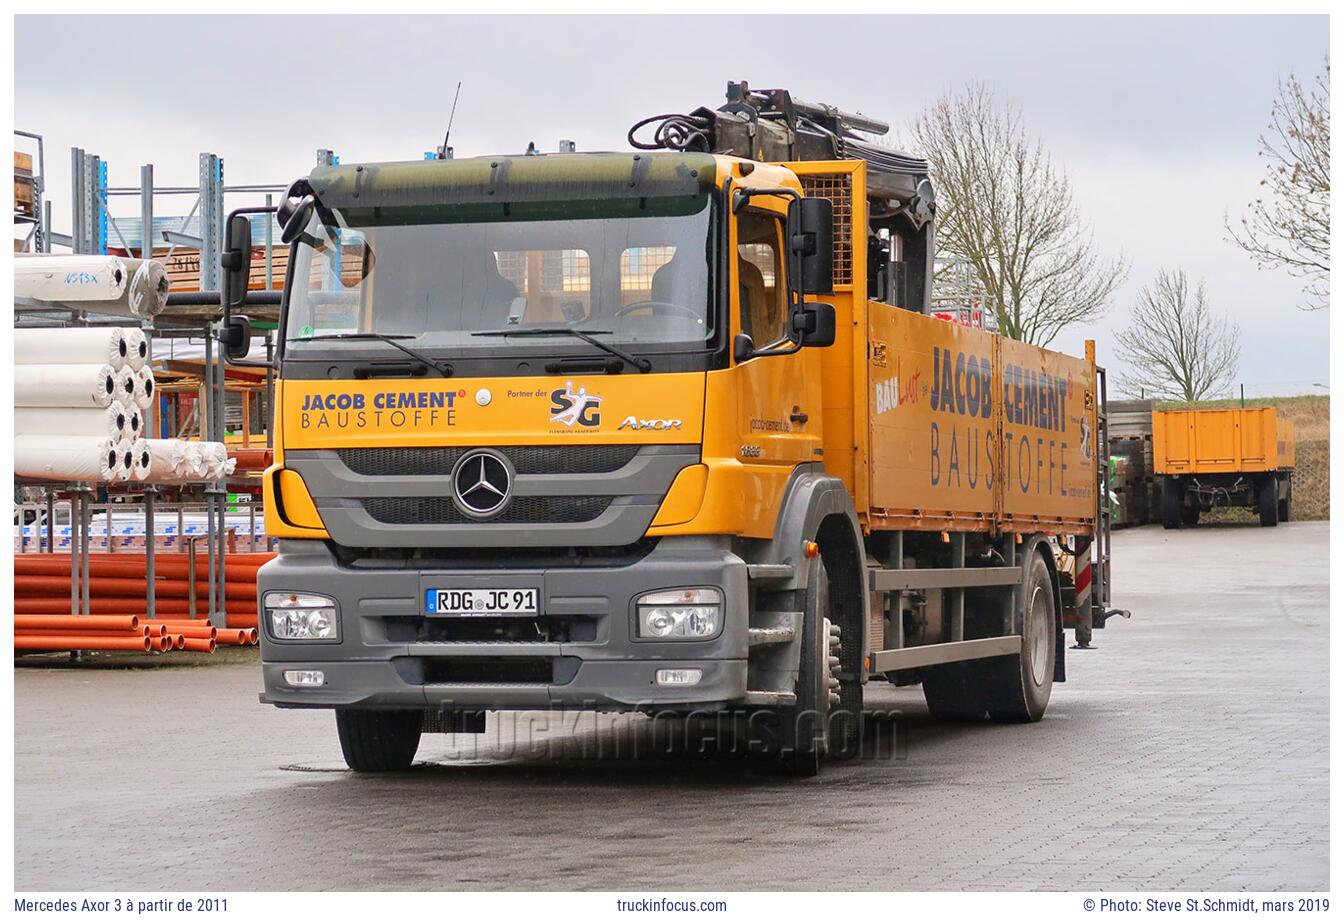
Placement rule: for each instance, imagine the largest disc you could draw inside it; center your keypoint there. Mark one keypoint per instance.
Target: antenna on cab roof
(443, 151)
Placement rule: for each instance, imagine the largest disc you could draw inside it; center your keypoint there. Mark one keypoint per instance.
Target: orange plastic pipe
(198, 645)
(251, 458)
(74, 642)
(81, 623)
(55, 563)
(124, 633)
(192, 632)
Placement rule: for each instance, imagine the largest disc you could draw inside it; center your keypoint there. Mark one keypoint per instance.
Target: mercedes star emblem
(482, 483)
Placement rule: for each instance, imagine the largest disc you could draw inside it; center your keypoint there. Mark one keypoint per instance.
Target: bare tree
(1007, 210)
(1289, 227)
(1176, 346)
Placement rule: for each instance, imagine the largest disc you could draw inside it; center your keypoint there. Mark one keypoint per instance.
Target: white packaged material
(116, 421)
(161, 460)
(137, 348)
(79, 345)
(66, 458)
(99, 284)
(65, 385)
(126, 385)
(125, 452)
(143, 392)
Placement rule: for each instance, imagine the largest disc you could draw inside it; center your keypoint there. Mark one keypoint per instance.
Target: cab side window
(762, 294)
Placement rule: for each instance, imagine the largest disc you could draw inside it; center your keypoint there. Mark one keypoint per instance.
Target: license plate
(481, 602)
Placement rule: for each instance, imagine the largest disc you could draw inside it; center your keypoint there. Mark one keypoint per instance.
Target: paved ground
(1190, 751)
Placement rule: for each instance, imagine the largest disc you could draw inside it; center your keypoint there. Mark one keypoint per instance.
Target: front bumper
(602, 665)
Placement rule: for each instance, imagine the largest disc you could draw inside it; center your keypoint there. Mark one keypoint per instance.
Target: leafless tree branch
(1288, 225)
(1006, 209)
(1176, 346)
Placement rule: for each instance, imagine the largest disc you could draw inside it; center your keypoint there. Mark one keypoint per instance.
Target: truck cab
(529, 411)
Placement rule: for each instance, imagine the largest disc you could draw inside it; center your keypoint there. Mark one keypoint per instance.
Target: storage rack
(190, 314)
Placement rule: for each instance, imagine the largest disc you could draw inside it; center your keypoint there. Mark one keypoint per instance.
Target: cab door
(779, 398)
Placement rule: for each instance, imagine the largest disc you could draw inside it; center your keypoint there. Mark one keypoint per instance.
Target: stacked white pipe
(80, 396)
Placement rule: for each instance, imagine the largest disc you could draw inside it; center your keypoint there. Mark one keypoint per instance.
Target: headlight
(683, 613)
(302, 616)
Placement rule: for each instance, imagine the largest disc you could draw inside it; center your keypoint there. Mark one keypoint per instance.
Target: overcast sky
(1154, 118)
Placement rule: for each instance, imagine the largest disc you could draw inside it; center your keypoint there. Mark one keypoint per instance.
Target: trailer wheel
(1189, 515)
(1171, 504)
(1285, 503)
(1019, 688)
(378, 741)
(1268, 501)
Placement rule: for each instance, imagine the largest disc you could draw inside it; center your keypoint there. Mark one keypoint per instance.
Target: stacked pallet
(1130, 429)
(117, 596)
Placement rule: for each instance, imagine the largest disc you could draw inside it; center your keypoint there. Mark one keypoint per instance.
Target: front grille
(837, 187)
(532, 509)
(438, 461)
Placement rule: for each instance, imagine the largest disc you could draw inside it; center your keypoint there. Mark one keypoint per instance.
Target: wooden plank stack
(24, 198)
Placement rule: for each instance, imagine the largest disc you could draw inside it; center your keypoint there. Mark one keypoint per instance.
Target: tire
(1019, 688)
(1267, 501)
(804, 727)
(1285, 503)
(378, 741)
(954, 693)
(1171, 504)
(1189, 515)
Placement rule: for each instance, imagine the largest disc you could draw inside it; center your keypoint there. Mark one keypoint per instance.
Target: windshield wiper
(643, 365)
(444, 368)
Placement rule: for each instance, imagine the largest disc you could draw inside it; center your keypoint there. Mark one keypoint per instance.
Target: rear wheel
(1172, 496)
(1285, 503)
(1010, 688)
(1189, 515)
(379, 741)
(1019, 688)
(1267, 501)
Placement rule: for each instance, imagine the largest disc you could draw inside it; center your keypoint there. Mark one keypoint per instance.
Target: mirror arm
(234, 260)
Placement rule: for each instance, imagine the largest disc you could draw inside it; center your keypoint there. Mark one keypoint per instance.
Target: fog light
(305, 678)
(302, 616)
(683, 613)
(678, 677)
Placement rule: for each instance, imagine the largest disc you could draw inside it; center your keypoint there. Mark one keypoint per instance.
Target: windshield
(640, 282)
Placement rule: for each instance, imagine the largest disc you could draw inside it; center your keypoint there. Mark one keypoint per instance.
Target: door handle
(799, 417)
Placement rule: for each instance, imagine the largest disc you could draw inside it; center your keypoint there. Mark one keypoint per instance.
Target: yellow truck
(1206, 458)
(666, 431)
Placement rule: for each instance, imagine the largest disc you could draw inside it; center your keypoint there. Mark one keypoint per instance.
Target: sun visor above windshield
(509, 180)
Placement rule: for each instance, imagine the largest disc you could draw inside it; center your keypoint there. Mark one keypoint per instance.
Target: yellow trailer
(1206, 458)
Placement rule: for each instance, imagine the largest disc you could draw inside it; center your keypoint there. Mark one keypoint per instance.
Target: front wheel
(379, 741)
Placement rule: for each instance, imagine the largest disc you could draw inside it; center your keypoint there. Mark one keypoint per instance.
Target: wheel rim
(1038, 635)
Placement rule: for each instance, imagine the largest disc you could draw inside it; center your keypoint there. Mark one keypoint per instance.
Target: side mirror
(236, 337)
(743, 347)
(236, 261)
(810, 244)
(815, 325)
(298, 218)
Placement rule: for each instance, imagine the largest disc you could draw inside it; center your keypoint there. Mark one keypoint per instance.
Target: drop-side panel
(1049, 435)
(970, 431)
